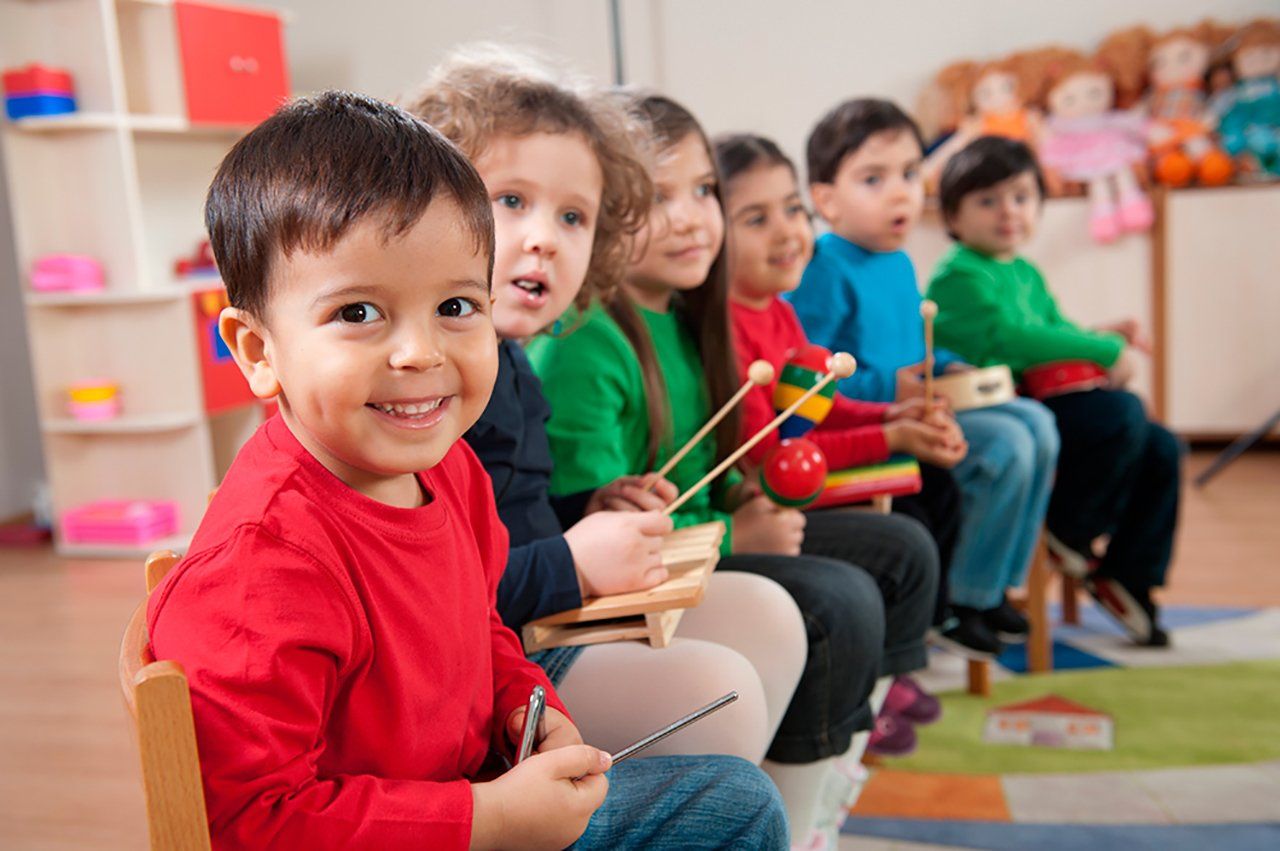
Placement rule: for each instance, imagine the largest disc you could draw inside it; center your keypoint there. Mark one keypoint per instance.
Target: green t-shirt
(599, 426)
(992, 311)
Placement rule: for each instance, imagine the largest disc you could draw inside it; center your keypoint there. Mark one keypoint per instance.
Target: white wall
(21, 464)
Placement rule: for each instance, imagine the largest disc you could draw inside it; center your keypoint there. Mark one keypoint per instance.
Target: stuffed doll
(1087, 140)
(1173, 66)
(1250, 120)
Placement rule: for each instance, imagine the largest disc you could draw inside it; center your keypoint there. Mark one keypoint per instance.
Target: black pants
(1118, 474)
(937, 506)
(864, 586)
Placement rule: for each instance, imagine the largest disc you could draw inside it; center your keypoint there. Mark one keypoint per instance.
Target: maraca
(794, 473)
(803, 369)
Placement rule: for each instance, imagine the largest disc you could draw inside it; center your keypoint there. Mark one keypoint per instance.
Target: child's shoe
(1116, 601)
(1136, 213)
(1067, 560)
(968, 635)
(908, 700)
(1104, 223)
(1009, 624)
(892, 736)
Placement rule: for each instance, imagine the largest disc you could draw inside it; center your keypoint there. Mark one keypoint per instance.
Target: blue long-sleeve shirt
(865, 303)
(510, 439)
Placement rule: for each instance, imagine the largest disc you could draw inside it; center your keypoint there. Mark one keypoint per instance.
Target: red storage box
(38, 79)
(232, 63)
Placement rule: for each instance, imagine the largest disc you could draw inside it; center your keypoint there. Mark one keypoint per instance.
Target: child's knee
(1165, 448)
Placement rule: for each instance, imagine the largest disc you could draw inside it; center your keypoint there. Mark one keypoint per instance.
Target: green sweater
(599, 426)
(992, 312)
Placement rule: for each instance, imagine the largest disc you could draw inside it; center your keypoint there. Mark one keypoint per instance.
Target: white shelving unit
(123, 180)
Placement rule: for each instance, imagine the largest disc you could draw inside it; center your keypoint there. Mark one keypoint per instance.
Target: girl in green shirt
(637, 375)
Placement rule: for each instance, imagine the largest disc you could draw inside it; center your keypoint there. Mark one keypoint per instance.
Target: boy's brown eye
(359, 313)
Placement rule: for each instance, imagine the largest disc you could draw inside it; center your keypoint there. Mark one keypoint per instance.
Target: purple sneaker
(892, 736)
(908, 700)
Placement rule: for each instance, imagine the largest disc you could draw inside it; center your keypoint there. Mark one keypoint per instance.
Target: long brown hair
(705, 309)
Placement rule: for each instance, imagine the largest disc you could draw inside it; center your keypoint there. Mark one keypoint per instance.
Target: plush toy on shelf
(1086, 140)
(1173, 67)
(1250, 112)
(972, 99)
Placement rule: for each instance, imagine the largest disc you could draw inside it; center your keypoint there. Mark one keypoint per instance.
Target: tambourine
(976, 388)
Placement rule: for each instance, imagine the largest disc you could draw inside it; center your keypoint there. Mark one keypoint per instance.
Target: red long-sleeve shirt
(851, 435)
(348, 670)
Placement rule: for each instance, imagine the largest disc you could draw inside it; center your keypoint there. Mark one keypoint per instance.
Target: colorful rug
(1196, 761)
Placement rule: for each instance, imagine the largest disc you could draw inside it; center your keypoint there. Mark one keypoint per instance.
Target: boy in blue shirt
(859, 295)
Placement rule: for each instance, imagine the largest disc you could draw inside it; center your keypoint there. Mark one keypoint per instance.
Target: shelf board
(145, 424)
(68, 122)
(180, 125)
(104, 298)
(129, 551)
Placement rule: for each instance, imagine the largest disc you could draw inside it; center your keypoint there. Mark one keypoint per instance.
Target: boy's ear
(821, 194)
(246, 338)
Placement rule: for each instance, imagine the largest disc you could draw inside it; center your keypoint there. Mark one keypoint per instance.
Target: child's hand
(913, 409)
(745, 490)
(1122, 371)
(760, 526)
(631, 493)
(910, 382)
(1132, 333)
(933, 441)
(544, 802)
(618, 551)
(561, 733)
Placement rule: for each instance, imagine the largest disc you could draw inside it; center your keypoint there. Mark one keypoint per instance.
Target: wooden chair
(160, 705)
(1035, 606)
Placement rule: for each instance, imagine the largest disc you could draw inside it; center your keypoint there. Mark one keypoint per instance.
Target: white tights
(746, 635)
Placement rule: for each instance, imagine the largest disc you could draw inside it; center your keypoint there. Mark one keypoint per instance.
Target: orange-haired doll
(1173, 65)
(1086, 140)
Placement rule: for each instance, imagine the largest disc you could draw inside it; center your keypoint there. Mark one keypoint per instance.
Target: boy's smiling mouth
(412, 413)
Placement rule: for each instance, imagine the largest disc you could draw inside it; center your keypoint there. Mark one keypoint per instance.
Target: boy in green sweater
(1118, 472)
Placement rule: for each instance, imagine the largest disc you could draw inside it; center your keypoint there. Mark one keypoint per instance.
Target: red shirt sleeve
(264, 669)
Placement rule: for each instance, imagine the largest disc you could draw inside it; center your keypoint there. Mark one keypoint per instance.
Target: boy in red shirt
(350, 677)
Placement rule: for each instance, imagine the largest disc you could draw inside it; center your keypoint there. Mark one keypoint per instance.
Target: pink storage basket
(132, 521)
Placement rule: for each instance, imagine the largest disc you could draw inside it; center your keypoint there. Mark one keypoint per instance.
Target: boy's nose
(416, 349)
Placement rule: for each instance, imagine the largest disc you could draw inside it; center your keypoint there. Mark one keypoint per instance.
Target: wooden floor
(68, 768)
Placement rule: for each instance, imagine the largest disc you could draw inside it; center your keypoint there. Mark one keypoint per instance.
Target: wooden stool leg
(980, 678)
(1039, 641)
(1070, 606)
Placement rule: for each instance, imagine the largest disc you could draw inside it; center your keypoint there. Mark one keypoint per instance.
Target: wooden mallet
(928, 310)
(840, 366)
(759, 374)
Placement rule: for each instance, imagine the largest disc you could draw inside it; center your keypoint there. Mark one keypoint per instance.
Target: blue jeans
(1005, 481)
(693, 802)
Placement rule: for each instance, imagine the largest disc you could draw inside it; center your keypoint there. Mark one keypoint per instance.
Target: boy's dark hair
(740, 152)
(301, 179)
(845, 129)
(983, 163)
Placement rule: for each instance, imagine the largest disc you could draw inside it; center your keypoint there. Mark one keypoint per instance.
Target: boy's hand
(618, 551)
(544, 802)
(560, 730)
(1132, 333)
(910, 382)
(913, 409)
(1122, 371)
(933, 441)
(631, 493)
(760, 526)
(745, 490)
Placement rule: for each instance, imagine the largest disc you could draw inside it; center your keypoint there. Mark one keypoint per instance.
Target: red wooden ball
(794, 472)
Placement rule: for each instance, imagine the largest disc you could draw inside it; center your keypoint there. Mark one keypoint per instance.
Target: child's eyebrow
(343, 293)
(749, 209)
(471, 284)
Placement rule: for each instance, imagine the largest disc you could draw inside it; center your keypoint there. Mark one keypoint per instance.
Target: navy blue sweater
(510, 439)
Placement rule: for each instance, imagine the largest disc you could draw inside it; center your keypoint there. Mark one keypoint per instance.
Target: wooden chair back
(159, 702)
